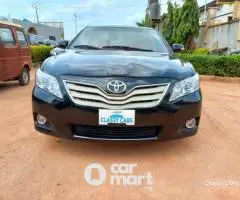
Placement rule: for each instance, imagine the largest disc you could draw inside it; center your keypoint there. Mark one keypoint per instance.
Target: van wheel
(24, 78)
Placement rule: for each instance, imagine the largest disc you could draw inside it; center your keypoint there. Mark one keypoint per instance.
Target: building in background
(220, 25)
(154, 13)
(47, 30)
(217, 12)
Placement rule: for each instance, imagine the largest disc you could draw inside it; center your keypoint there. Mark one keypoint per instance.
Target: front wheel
(24, 78)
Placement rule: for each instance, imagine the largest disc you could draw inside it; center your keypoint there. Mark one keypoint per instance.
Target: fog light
(41, 119)
(191, 123)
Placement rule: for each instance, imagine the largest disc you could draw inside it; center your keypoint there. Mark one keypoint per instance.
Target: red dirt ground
(35, 166)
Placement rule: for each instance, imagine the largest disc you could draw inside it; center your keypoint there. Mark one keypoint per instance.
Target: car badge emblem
(116, 86)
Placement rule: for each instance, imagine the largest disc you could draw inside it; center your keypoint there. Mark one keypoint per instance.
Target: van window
(6, 37)
(52, 38)
(21, 38)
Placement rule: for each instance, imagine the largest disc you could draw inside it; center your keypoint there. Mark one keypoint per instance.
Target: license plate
(126, 117)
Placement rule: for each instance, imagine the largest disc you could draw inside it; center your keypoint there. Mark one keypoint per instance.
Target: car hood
(105, 63)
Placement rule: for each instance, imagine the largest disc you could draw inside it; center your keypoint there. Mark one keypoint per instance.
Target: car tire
(24, 78)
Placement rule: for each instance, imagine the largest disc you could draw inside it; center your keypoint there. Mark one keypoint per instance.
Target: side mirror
(63, 44)
(53, 53)
(56, 51)
(177, 48)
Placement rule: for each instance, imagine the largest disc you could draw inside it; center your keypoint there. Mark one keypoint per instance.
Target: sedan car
(178, 47)
(117, 83)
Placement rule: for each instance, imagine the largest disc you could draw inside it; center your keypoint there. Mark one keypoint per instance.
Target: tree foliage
(146, 22)
(181, 24)
(176, 22)
(188, 28)
(168, 23)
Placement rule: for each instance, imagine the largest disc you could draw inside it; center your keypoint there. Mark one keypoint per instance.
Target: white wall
(224, 9)
(42, 29)
(220, 36)
(221, 10)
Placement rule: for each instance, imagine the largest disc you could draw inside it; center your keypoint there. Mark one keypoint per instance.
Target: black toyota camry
(117, 83)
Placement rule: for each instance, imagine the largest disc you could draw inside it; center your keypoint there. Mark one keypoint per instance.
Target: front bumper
(164, 122)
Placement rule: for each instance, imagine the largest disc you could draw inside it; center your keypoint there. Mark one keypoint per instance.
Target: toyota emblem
(116, 86)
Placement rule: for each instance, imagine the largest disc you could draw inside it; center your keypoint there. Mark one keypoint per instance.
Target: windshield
(113, 38)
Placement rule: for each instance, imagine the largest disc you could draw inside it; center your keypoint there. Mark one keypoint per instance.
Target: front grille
(115, 133)
(146, 96)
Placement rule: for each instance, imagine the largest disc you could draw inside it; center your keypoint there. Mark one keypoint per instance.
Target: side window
(21, 38)
(6, 37)
(52, 38)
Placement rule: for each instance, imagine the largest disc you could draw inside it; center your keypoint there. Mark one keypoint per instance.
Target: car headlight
(184, 87)
(48, 83)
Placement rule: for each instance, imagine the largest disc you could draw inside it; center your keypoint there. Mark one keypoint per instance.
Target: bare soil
(35, 166)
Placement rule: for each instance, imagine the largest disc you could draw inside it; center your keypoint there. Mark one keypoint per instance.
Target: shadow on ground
(113, 149)
(8, 85)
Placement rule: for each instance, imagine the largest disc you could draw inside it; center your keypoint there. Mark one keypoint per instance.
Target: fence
(226, 35)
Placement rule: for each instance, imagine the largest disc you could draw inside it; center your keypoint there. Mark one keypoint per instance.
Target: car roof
(119, 26)
(10, 24)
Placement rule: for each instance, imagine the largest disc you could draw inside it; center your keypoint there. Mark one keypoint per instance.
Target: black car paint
(105, 63)
(62, 114)
(132, 67)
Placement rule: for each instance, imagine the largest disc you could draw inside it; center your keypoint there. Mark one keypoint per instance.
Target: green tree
(188, 28)
(176, 22)
(168, 23)
(146, 22)
(171, 21)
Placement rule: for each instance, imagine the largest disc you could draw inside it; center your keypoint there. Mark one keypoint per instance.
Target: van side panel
(10, 56)
(25, 50)
(2, 68)
(14, 56)
(11, 62)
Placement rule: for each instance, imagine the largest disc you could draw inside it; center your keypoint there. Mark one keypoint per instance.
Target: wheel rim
(25, 77)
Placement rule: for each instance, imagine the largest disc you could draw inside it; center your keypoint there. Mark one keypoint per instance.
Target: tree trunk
(190, 44)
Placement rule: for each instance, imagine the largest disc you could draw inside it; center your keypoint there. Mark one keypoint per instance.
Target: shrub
(40, 53)
(213, 64)
(201, 51)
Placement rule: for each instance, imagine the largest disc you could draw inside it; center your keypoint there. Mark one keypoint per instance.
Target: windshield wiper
(86, 47)
(115, 47)
(126, 48)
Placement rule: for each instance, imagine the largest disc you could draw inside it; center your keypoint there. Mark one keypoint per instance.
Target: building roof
(210, 4)
(10, 24)
(215, 3)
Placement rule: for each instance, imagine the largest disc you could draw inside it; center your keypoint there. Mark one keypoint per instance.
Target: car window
(6, 37)
(21, 38)
(111, 36)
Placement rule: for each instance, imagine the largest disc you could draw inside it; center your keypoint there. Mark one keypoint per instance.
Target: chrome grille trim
(88, 88)
(144, 96)
(80, 95)
(112, 139)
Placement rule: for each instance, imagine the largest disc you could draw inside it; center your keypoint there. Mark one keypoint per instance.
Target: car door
(25, 51)
(2, 68)
(10, 56)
